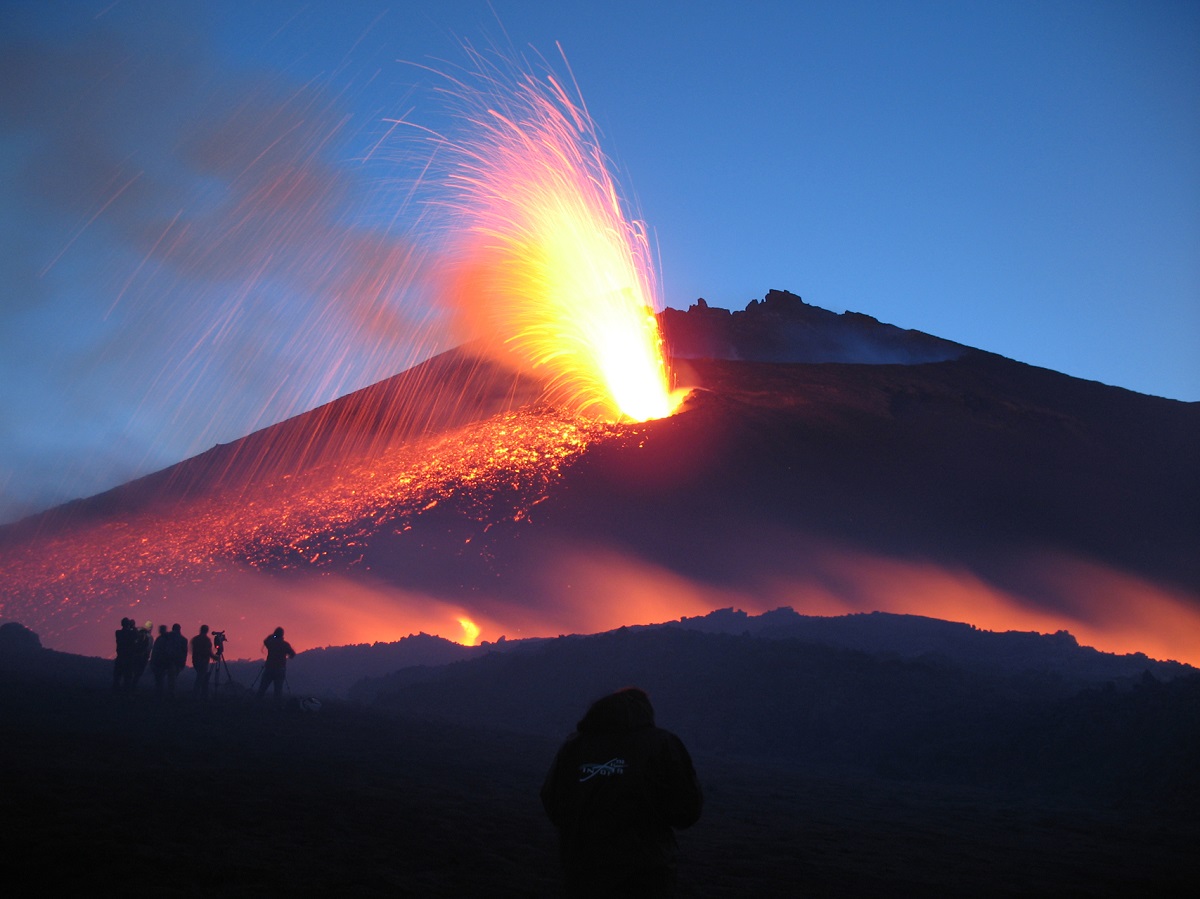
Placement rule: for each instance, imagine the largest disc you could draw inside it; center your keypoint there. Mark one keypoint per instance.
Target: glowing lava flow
(324, 518)
(544, 258)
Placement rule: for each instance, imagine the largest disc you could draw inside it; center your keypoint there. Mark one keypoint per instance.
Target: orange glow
(596, 589)
(546, 266)
(602, 590)
(176, 567)
(1102, 607)
(1121, 612)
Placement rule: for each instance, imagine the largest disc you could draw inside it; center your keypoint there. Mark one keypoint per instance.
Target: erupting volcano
(544, 477)
(543, 273)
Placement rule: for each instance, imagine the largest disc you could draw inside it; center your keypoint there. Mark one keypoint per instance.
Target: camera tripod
(280, 683)
(220, 664)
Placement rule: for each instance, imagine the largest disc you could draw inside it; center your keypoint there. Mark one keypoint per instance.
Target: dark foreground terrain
(123, 794)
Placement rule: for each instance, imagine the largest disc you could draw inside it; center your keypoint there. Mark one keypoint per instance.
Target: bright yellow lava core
(546, 263)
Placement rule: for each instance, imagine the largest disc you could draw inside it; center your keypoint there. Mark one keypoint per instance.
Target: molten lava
(323, 518)
(544, 261)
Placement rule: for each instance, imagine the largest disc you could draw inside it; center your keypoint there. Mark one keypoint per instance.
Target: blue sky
(1022, 177)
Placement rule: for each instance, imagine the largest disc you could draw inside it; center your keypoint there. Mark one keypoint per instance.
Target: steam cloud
(249, 273)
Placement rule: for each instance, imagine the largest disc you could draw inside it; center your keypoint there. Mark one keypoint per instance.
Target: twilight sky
(206, 225)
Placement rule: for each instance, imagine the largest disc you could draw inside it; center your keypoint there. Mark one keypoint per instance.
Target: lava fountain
(544, 265)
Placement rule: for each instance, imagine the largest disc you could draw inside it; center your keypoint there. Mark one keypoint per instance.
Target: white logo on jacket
(607, 769)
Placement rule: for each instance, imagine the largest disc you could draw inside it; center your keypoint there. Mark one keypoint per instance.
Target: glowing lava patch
(544, 261)
(470, 631)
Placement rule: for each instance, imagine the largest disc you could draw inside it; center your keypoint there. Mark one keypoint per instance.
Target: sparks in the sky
(543, 261)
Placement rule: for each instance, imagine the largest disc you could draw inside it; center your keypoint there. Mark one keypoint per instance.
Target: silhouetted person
(275, 669)
(141, 653)
(179, 648)
(126, 662)
(615, 791)
(202, 656)
(159, 654)
(167, 658)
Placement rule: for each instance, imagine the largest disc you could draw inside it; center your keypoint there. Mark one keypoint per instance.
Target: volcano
(830, 463)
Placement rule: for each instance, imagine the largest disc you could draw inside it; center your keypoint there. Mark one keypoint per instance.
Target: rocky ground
(233, 798)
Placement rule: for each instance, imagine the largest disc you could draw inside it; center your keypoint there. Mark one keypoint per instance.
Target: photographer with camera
(274, 671)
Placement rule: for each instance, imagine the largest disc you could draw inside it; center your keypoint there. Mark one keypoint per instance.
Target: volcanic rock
(781, 327)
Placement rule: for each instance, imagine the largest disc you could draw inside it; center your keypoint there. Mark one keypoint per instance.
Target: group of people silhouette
(133, 654)
(167, 655)
(616, 792)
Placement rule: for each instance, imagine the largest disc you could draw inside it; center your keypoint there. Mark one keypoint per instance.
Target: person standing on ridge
(125, 662)
(275, 669)
(616, 789)
(202, 655)
(162, 663)
(141, 653)
(179, 650)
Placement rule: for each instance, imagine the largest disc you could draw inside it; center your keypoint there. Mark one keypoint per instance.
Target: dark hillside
(924, 719)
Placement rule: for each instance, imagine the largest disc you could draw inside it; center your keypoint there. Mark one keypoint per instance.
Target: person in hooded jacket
(616, 790)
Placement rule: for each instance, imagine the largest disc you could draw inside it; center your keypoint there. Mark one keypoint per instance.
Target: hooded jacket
(615, 790)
